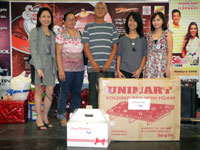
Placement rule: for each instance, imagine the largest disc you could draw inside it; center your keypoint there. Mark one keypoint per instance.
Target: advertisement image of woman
(159, 48)
(191, 46)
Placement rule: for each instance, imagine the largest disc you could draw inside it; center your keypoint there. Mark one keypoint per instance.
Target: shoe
(42, 127)
(48, 125)
(63, 123)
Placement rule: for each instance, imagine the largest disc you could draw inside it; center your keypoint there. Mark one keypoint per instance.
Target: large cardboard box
(88, 128)
(142, 109)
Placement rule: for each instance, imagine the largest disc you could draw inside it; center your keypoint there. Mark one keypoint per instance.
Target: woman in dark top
(132, 49)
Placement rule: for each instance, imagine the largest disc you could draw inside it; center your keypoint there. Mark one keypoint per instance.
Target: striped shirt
(178, 38)
(101, 38)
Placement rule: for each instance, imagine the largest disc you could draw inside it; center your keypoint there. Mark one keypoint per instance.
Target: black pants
(93, 85)
(129, 75)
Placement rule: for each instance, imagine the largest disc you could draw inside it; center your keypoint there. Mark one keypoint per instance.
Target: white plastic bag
(19, 87)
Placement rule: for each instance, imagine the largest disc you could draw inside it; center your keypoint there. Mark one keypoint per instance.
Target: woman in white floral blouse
(159, 48)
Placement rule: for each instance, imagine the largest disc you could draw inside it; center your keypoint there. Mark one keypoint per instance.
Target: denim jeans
(73, 84)
(93, 85)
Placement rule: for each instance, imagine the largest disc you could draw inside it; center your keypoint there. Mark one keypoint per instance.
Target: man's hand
(106, 66)
(95, 67)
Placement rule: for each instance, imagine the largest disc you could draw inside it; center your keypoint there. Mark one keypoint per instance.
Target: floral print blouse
(72, 55)
(157, 54)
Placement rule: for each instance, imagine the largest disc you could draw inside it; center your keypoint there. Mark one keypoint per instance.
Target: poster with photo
(24, 19)
(185, 25)
(119, 12)
(4, 39)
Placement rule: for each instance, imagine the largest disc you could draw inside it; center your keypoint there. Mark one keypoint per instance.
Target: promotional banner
(185, 25)
(14, 60)
(24, 19)
(5, 55)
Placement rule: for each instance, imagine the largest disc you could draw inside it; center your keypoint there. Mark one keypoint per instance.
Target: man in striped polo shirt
(100, 45)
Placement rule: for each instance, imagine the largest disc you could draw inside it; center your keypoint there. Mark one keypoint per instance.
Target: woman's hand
(120, 74)
(137, 73)
(40, 73)
(167, 71)
(61, 75)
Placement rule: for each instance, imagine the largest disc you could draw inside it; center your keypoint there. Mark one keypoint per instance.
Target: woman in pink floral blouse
(70, 66)
(159, 48)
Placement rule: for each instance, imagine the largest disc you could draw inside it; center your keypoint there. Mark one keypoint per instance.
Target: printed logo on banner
(5, 84)
(4, 51)
(2, 70)
(3, 28)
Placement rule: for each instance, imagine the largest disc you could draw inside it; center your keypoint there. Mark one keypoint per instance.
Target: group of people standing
(62, 55)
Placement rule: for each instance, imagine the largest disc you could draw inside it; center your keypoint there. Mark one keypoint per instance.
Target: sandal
(42, 127)
(48, 125)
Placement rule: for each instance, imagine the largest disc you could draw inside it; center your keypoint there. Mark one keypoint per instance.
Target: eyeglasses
(71, 20)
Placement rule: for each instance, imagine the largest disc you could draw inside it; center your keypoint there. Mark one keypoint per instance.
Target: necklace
(132, 42)
(48, 38)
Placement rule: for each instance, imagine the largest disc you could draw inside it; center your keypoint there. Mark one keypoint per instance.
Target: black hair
(39, 14)
(161, 15)
(136, 16)
(188, 35)
(176, 10)
(66, 14)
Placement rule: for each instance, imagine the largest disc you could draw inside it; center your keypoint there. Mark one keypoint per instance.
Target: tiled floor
(27, 137)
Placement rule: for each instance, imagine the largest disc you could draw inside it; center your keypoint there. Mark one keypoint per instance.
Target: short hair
(176, 10)
(103, 4)
(39, 14)
(161, 15)
(137, 17)
(66, 14)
